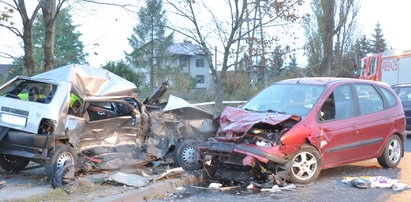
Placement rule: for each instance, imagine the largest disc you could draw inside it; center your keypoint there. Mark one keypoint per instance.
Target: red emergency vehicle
(392, 67)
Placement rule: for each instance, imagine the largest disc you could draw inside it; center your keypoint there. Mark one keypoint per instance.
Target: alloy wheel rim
(305, 166)
(394, 151)
(189, 155)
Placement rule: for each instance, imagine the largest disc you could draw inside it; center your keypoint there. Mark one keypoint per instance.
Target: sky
(105, 29)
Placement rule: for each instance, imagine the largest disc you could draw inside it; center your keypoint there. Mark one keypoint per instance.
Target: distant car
(92, 117)
(294, 128)
(404, 92)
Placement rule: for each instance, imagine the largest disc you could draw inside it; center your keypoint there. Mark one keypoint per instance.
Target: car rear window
(404, 93)
(32, 91)
(369, 99)
(388, 96)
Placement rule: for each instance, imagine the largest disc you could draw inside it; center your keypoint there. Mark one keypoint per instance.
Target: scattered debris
(364, 182)
(169, 173)
(180, 188)
(133, 180)
(2, 184)
(215, 185)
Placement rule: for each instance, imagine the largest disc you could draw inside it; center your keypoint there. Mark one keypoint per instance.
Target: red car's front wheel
(306, 165)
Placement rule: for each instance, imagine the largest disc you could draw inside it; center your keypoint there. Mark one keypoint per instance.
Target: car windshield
(295, 99)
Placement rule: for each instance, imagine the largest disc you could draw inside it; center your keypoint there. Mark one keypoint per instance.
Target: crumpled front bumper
(248, 151)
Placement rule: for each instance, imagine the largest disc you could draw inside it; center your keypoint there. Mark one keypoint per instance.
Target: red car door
(374, 121)
(339, 127)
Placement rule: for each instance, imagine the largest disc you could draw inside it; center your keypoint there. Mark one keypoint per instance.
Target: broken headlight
(263, 143)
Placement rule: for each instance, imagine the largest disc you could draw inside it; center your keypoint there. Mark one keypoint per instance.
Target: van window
(369, 99)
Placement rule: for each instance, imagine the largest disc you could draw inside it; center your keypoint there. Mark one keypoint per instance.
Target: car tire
(13, 163)
(391, 156)
(57, 157)
(186, 155)
(306, 165)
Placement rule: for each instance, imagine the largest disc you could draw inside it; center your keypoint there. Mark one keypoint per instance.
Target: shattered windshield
(29, 90)
(294, 99)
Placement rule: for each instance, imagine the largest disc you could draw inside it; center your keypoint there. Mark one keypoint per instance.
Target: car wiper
(250, 110)
(273, 111)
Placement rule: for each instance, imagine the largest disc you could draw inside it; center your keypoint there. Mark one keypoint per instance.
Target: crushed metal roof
(186, 48)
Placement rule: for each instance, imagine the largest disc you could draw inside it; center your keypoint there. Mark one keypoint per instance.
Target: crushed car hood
(235, 120)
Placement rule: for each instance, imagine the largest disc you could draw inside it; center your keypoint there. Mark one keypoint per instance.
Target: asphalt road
(326, 188)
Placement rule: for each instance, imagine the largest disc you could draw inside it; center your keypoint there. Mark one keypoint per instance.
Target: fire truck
(392, 67)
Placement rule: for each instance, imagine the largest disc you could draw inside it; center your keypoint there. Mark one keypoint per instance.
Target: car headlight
(263, 143)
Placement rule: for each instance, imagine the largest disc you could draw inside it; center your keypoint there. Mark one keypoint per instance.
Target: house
(4, 69)
(190, 58)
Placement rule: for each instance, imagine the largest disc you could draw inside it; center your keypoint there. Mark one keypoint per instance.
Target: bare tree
(228, 32)
(26, 33)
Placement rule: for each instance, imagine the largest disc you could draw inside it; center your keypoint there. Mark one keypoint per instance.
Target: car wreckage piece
(87, 115)
(249, 146)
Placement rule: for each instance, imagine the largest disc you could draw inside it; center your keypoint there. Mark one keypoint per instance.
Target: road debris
(174, 172)
(133, 180)
(215, 185)
(2, 184)
(364, 182)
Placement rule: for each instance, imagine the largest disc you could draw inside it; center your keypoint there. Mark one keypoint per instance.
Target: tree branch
(8, 4)
(12, 29)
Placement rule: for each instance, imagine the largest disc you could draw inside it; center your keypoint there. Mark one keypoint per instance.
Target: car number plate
(13, 120)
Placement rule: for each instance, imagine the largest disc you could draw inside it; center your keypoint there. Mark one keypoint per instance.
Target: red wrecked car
(294, 128)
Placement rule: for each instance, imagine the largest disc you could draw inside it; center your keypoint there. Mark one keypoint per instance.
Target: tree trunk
(328, 7)
(49, 15)
(28, 48)
(219, 93)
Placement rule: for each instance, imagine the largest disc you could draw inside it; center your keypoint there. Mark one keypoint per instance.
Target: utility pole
(152, 56)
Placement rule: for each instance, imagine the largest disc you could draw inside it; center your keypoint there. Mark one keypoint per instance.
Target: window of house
(200, 78)
(182, 61)
(199, 62)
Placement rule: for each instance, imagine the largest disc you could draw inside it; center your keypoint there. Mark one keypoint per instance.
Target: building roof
(186, 48)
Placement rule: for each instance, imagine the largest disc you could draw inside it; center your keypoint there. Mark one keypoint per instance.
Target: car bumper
(17, 143)
(232, 149)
